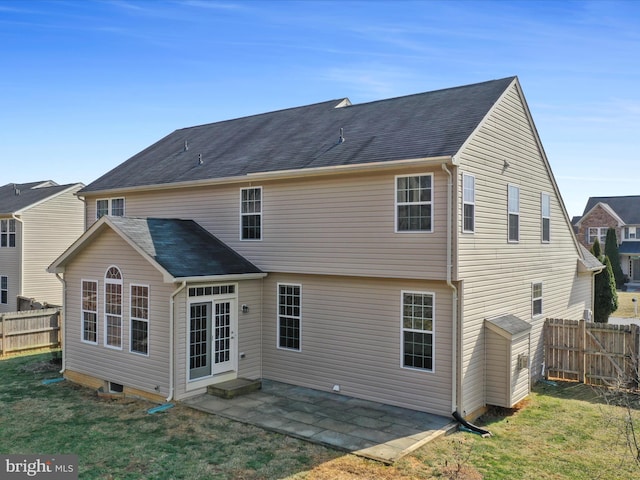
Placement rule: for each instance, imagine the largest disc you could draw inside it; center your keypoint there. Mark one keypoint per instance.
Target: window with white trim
(289, 316)
(139, 302)
(4, 289)
(536, 299)
(8, 233)
(545, 213)
(514, 213)
(417, 330)
(414, 203)
(90, 311)
(597, 232)
(468, 203)
(113, 308)
(110, 206)
(251, 213)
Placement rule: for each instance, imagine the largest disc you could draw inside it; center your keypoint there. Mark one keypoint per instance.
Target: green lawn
(563, 431)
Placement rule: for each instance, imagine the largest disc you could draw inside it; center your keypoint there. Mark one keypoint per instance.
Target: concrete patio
(380, 432)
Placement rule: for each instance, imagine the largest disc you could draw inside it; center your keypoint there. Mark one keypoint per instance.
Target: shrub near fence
(29, 330)
(592, 353)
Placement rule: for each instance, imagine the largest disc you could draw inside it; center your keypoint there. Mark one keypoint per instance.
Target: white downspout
(171, 339)
(454, 299)
(64, 322)
(17, 219)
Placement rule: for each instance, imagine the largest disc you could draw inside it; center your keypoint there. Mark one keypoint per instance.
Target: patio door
(212, 338)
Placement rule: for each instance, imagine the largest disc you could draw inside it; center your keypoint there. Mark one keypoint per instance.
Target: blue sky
(84, 85)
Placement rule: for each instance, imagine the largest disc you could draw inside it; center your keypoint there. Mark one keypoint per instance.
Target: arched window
(113, 308)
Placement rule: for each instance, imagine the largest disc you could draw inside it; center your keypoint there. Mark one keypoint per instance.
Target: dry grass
(625, 304)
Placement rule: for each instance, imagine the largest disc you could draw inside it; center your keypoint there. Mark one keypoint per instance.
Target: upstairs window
(113, 308)
(8, 233)
(536, 299)
(631, 233)
(110, 206)
(468, 203)
(545, 212)
(597, 232)
(514, 213)
(251, 213)
(414, 202)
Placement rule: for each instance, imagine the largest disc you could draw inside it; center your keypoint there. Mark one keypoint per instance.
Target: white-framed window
(631, 233)
(545, 214)
(597, 232)
(89, 311)
(414, 203)
(8, 233)
(251, 213)
(4, 289)
(290, 316)
(113, 308)
(139, 319)
(110, 206)
(514, 213)
(417, 330)
(468, 203)
(536, 299)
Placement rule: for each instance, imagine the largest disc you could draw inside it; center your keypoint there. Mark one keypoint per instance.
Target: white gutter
(454, 299)
(64, 322)
(171, 339)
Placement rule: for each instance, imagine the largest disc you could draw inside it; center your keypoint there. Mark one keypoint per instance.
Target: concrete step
(234, 388)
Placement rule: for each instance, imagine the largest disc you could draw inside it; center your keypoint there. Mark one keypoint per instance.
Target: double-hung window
(536, 299)
(417, 330)
(113, 308)
(251, 213)
(89, 311)
(4, 289)
(545, 212)
(599, 233)
(514, 213)
(8, 233)
(110, 206)
(289, 316)
(139, 302)
(468, 203)
(414, 203)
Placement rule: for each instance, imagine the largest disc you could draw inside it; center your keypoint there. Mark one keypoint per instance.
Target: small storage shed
(507, 348)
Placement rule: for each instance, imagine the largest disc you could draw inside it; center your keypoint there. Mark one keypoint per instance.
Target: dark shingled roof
(627, 207)
(17, 196)
(182, 247)
(425, 125)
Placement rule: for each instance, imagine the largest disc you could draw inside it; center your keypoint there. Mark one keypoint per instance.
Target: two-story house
(622, 214)
(38, 221)
(405, 251)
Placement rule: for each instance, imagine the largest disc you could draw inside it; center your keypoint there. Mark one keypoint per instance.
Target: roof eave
(215, 278)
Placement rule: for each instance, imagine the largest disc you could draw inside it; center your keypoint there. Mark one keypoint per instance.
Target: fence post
(581, 351)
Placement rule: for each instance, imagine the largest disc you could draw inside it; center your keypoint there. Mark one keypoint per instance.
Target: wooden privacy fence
(28, 330)
(592, 353)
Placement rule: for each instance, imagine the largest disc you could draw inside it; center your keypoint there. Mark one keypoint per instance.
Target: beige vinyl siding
(249, 335)
(342, 225)
(10, 265)
(506, 384)
(119, 366)
(50, 227)
(351, 337)
(497, 275)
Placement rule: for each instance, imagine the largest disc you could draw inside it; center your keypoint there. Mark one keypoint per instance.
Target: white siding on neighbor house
(497, 275)
(249, 335)
(50, 228)
(351, 337)
(10, 266)
(342, 225)
(148, 373)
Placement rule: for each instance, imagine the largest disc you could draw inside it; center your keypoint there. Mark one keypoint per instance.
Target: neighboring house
(38, 221)
(405, 251)
(621, 213)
